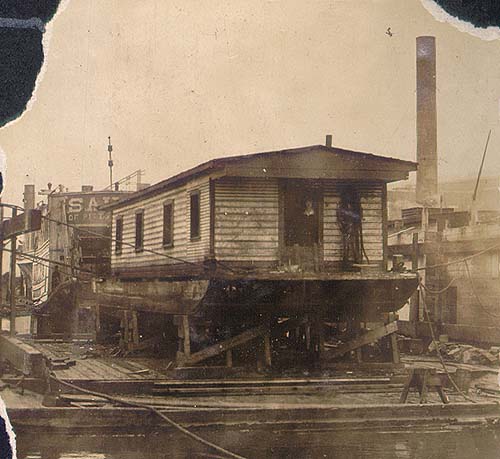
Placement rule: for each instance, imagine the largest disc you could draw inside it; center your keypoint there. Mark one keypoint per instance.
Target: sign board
(84, 208)
(27, 222)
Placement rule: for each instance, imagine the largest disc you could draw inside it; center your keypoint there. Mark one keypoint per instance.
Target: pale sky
(176, 83)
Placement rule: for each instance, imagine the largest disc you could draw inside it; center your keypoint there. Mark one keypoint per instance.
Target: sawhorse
(423, 379)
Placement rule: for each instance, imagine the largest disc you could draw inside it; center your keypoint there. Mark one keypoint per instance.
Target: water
(358, 444)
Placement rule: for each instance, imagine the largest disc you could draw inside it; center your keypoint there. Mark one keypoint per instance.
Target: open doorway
(302, 224)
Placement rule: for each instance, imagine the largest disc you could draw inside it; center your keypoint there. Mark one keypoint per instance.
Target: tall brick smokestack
(427, 174)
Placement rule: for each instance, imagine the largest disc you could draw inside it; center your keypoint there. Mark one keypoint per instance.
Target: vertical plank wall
(183, 247)
(246, 223)
(246, 219)
(371, 204)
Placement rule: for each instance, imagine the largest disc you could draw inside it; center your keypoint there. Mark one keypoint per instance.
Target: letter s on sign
(75, 205)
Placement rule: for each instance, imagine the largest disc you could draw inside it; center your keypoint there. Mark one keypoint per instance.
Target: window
(168, 224)
(119, 235)
(139, 231)
(195, 215)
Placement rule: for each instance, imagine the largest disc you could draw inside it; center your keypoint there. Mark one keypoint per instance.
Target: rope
(152, 409)
(461, 260)
(43, 259)
(129, 244)
(438, 292)
(443, 364)
(111, 238)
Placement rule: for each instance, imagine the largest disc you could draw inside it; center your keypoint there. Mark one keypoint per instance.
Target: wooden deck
(86, 367)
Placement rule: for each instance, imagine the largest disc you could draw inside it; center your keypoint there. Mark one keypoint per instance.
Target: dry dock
(334, 399)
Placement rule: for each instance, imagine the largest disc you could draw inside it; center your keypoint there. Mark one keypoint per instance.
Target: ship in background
(71, 248)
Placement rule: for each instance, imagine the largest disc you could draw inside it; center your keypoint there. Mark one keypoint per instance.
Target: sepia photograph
(249, 230)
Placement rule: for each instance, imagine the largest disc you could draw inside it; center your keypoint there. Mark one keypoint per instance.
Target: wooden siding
(373, 236)
(246, 223)
(246, 219)
(247, 214)
(371, 204)
(183, 248)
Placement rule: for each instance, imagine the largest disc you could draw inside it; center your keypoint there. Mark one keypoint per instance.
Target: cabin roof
(254, 164)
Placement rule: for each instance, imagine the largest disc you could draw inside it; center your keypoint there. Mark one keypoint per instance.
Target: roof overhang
(316, 162)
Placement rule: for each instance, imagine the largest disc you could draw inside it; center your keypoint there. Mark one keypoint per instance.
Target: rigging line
(112, 239)
(461, 260)
(439, 292)
(438, 352)
(150, 408)
(66, 273)
(60, 263)
(485, 310)
(129, 244)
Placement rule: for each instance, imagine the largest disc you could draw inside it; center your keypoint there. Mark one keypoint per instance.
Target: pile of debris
(466, 353)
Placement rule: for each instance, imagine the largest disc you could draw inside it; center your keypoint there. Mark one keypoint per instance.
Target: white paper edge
(489, 34)
(8, 426)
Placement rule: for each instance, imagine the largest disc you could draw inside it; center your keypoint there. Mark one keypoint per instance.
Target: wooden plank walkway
(89, 368)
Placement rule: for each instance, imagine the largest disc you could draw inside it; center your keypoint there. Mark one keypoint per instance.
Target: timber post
(229, 358)
(392, 339)
(183, 335)
(317, 339)
(267, 349)
(97, 320)
(135, 329)
(12, 279)
(414, 300)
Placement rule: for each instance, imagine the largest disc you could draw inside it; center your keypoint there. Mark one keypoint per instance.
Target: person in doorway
(310, 224)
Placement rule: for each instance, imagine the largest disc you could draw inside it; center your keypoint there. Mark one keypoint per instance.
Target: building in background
(456, 194)
(72, 247)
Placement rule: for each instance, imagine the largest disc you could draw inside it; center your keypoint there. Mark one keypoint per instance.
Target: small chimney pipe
(329, 140)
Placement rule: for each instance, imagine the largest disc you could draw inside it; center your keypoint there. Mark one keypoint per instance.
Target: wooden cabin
(264, 244)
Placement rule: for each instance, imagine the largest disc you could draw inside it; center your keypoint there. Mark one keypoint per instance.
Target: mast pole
(110, 163)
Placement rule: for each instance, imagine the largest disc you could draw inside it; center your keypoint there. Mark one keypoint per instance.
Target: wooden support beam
(224, 346)
(393, 340)
(308, 335)
(97, 312)
(134, 328)
(395, 349)
(229, 358)
(186, 336)
(124, 328)
(267, 350)
(320, 330)
(362, 340)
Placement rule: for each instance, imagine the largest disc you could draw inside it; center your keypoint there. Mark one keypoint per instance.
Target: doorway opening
(302, 224)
